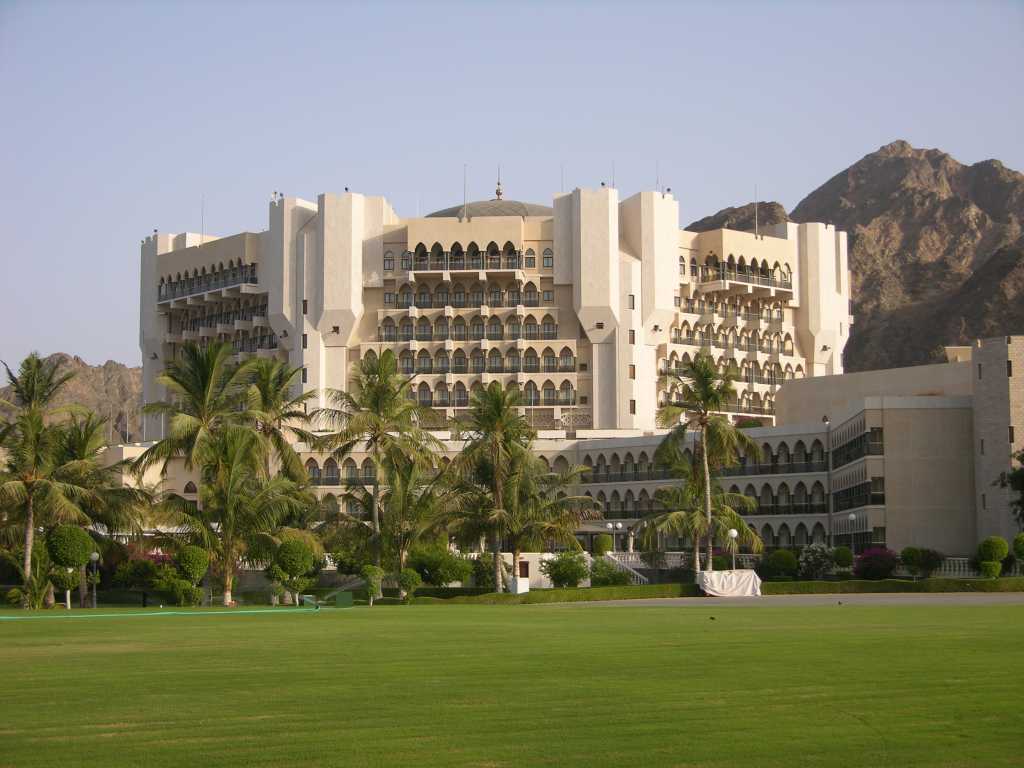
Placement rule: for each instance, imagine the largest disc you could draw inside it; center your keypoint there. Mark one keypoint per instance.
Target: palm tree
(206, 388)
(32, 480)
(538, 508)
(279, 416)
(682, 514)
(379, 413)
(36, 484)
(117, 508)
(497, 434)
(239, 507)
(702, 394)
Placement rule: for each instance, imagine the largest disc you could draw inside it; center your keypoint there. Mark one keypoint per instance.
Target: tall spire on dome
(497, 191)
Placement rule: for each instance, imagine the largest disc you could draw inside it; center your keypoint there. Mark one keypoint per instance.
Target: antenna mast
(755, 211)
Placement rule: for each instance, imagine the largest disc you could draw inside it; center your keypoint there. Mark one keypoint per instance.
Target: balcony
(196, 285)
(785, 468)
(713, 275)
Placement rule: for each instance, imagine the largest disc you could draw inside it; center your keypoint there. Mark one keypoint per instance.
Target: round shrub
(64, 578)
(566, 569)
(990, 569)
(69, 546)
(876, 563)
(843, 557)
(408, 581)
(1018, 546)
(374, 576)
(602, 544)
(816, 561)
(931, 560)
(911, 559)
(193, 563)
(780, 564)
(439, 567)
(604, 574)
(993, 548)
(483, 571)
(294, 557)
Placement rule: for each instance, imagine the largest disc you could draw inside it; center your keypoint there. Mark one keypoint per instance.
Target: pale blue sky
(119, 117)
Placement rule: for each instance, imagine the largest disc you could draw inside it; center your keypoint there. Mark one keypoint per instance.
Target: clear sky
(119, 118)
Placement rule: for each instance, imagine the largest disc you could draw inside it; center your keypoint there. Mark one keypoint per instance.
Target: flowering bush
(816, 561)
(876, 563)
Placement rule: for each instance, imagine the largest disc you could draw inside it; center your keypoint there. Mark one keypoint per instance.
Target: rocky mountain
(741, 218)
(112, 390)
(935, 250)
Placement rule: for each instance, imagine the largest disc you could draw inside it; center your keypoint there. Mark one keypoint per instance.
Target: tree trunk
(707, 493)
(49, 601)
(696, 554)
(83, 588)
(378, 544)
(30, 534)
(228, 577)
(496, 550)
(515, 561)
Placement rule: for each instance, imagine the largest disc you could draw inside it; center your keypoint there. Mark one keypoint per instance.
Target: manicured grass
(477, 685)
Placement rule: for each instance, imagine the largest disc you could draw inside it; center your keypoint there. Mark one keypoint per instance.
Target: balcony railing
(447, 261)
(785, 468)
(711, 274)
(193, 285)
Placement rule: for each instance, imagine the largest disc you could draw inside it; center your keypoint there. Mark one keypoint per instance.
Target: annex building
(580, 306)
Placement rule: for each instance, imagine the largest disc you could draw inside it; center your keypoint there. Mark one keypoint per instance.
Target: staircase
(635, 577)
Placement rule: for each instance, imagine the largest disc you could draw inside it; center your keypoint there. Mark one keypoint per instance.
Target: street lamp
(852, 518)
(94, 567)
(733, 533)
(612, 527)
(828, 476)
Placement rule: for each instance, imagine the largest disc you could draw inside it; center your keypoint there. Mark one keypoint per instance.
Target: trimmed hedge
(569, 595)
(1012, 584)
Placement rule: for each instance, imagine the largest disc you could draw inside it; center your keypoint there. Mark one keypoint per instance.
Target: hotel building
(581, 306)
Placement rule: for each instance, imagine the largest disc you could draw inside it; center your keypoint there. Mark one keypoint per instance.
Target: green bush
(65, 578)
(876, 563)
(135, 574)
(374, 576)
(843, 557)
(604, 574)
(931, 560)
(721, 562)
(602, 545)
(483, 571)
(990, 569)
(993, 548)
(408, 580)
(911, 559)
(566, 569)
(439, 567)
(192, 562)
(69, 546)
(1018, 546)
(294, 557)
(779, 564)
(816, 561)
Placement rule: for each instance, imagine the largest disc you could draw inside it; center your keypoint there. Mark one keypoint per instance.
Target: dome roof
(495, 208)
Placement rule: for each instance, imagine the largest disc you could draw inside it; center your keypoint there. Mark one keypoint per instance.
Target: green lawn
(519, 686)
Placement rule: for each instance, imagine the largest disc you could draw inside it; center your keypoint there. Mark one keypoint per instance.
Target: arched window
(313, 470)
(331, 475)
(190, 487)
(549, 259)
(531, 259)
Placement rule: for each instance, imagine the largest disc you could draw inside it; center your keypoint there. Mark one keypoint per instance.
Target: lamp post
(828, 476)
(852, 518)
(733, 533)
(612, 528)
(94, 567)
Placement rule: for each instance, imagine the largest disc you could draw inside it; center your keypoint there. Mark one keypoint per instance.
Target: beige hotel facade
(581, 306)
